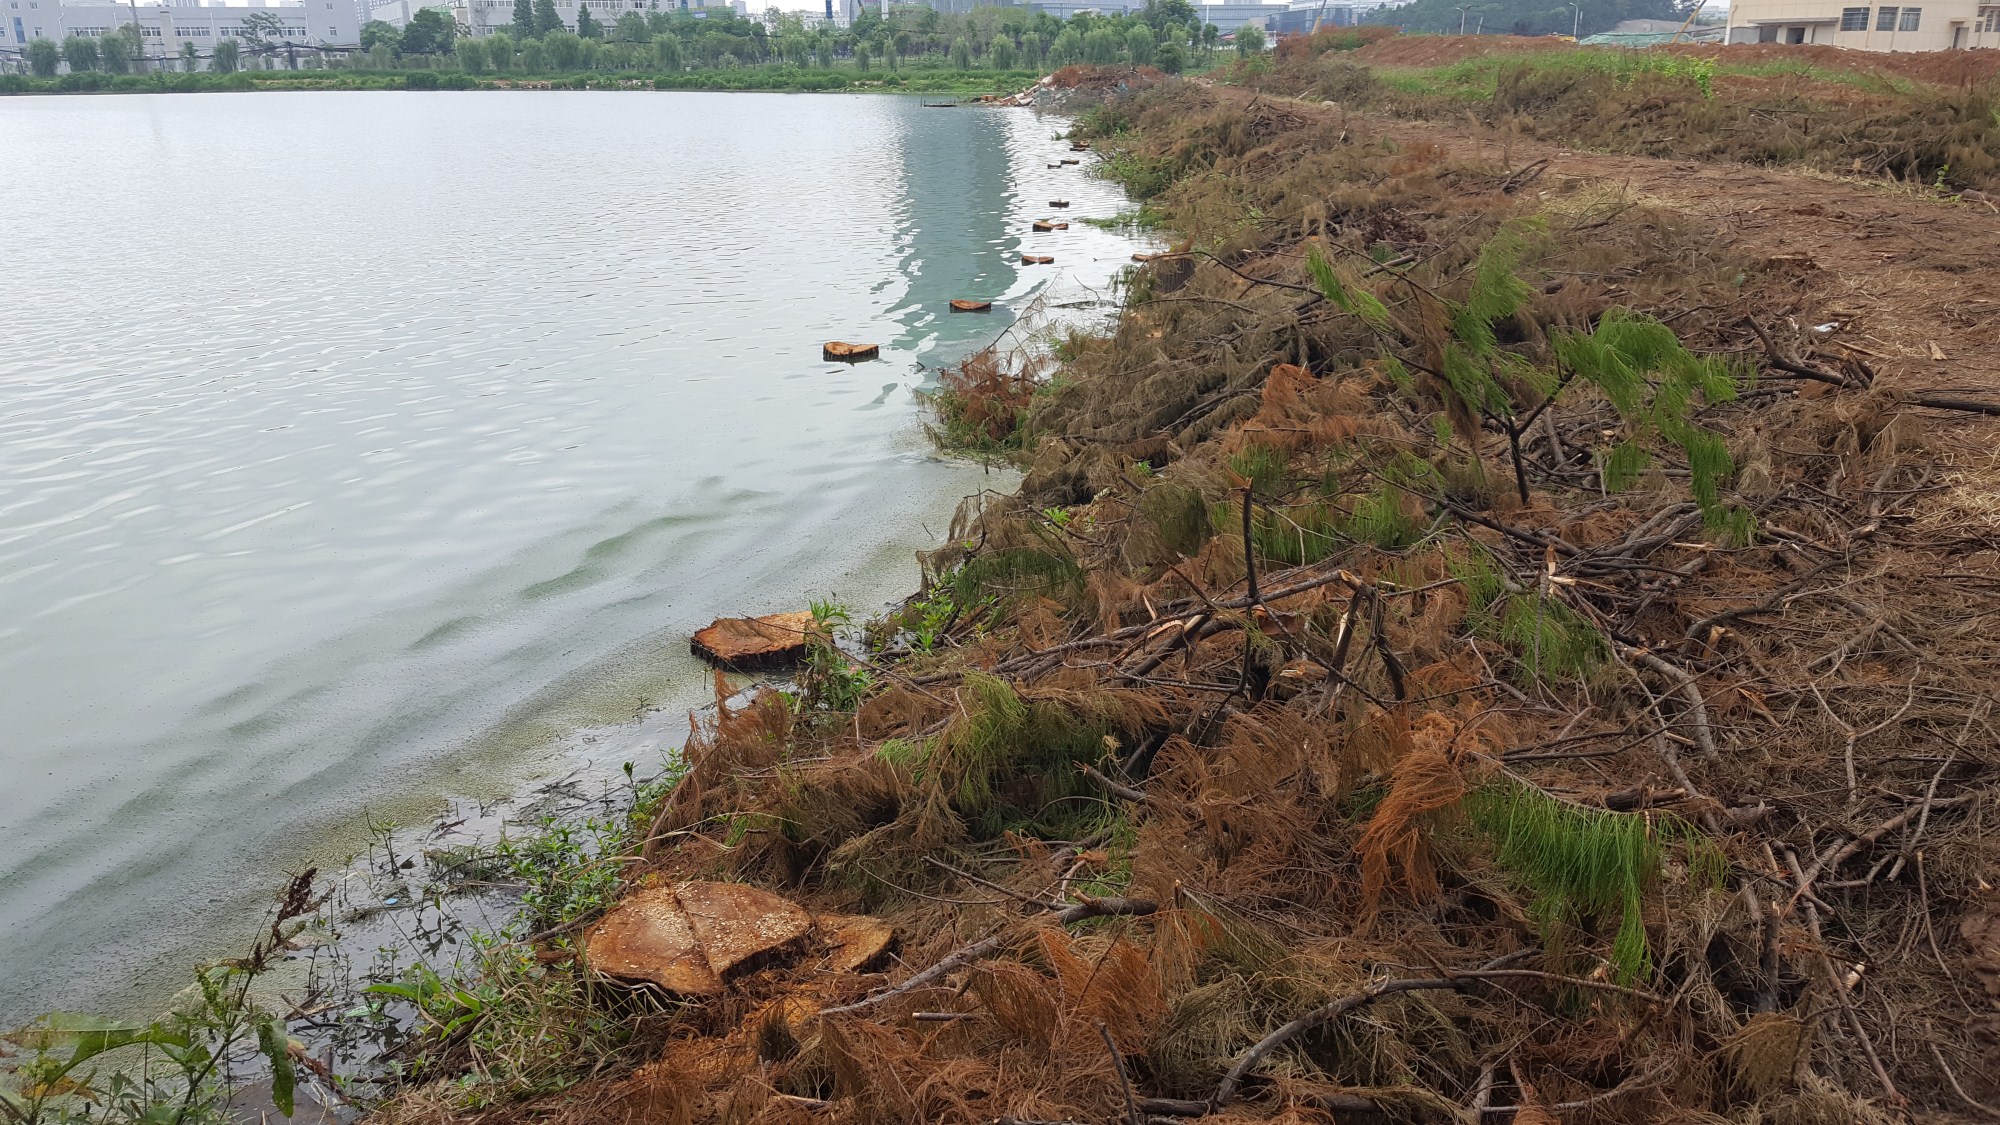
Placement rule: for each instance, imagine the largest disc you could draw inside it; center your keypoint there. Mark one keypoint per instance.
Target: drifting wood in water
(744, 643)
(1037, 260)
(1079, 146)
(1058, 202)
(1058, 165)
(1071, 160)
(971, 306)
(1049, 225)
(839, 351)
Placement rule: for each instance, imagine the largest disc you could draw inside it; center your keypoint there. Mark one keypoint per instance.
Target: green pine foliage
(1654, 382)
(1261, 464)
(1587, 866)
(1010, 759)
(1552, 640)
(1004, 575)
(1346, 292)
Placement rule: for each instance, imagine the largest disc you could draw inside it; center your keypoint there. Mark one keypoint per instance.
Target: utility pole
(1461, 17)
(1576, 24)
(139, 37)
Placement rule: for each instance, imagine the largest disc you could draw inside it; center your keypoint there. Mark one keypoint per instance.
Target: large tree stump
(746, 643)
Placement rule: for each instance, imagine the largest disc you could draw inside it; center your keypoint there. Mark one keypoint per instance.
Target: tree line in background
(1526, 17)
(1168, 34)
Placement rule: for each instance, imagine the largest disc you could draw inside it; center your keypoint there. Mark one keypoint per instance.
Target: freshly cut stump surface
(745, 643)
(856, 940)
(689, 939)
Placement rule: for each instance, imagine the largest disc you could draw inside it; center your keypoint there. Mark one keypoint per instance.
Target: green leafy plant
(81, 1068)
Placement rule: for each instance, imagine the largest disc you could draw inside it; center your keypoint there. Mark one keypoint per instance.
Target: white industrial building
(1926, 26)
(165, 27)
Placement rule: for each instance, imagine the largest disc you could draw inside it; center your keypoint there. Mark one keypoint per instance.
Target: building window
(1989, 20)
(1885, 19)
(1854, 19)
(1911, 16)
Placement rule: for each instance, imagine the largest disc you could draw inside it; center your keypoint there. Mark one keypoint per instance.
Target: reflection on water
(355, 447)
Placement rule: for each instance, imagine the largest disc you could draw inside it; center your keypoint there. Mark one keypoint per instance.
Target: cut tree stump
(693, 938)
(745, 643)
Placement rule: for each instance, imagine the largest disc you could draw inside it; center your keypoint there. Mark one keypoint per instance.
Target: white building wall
(1927, 25)
(166, 25)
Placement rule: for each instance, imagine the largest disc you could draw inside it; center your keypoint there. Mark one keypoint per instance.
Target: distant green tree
(44, 57)
(429, 32)
(546, 19)
(1249, 40)
(379, 33)
(1209, 37)
(565, 50)
(632, 29)
(120, 50)
(534, 57)
(1171, 58)
(961, 55)
(500, 52)
(1002, 53)
(227, 57)
(1102, 46)
(524, 19)
(899, 48)
(864, 54)
(667, 53)
(190, 58)
(80, 52)
(823, 53)
(1067, 50)
(1160, 13)
(1139, 44)
(593, 56)
(471, 55)
(587, 26)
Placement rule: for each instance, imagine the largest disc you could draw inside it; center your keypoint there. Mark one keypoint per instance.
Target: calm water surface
(358, 449)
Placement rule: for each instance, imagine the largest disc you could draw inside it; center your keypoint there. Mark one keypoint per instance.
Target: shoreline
(1250, 700)
(971, 84)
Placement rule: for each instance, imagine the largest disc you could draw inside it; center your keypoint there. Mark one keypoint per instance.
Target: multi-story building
(165, 27)
(1930, 25)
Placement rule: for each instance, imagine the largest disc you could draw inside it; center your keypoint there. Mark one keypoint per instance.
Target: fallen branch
(987, 946)
(1690, 691)
(1327, 1013)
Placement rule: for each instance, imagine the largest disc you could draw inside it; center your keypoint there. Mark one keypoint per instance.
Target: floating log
(1037, 260)
(1079, 146)
(1144, 257)
(971, 306)
(839, 351)
(745, 643)
(1058, 202)
(1071, 160)
(1058, 165)
(1049, 225)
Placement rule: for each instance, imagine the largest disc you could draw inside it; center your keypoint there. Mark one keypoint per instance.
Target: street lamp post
(1576, 24)
(1461, 17)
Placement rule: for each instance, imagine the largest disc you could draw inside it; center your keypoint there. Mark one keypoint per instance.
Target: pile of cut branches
(1458, 654)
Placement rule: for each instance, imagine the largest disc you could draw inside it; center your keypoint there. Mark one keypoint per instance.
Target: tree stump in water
(745, 643)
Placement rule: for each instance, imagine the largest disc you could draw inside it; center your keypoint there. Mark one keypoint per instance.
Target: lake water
(358, 450)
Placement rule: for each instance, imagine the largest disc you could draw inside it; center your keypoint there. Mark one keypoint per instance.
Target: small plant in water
(84, 1069)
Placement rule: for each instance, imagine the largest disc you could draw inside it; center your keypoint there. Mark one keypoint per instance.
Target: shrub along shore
(1455, 655)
